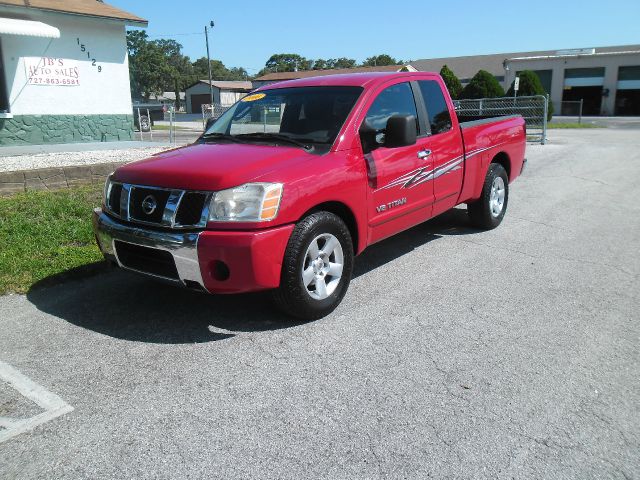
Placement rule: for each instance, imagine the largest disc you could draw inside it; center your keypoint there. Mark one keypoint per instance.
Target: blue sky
(248, 32)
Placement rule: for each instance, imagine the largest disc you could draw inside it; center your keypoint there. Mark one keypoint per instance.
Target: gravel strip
(66, 159)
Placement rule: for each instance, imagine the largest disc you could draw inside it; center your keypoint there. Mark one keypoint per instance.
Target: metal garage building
(606, 79)
(225, 93)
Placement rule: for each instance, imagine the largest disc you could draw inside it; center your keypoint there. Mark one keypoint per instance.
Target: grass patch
(572, 125)
(46, 233)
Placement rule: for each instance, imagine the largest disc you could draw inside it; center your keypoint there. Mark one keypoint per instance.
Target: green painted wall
(41, 129)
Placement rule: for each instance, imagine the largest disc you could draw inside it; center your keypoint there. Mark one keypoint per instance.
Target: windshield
(311, 115)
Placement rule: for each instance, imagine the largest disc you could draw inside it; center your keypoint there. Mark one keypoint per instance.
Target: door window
(439, 117)
(394, 100)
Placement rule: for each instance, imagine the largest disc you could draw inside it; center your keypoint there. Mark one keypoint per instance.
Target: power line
(175, 34)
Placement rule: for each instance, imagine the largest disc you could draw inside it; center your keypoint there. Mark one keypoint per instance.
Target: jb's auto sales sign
(52, 71)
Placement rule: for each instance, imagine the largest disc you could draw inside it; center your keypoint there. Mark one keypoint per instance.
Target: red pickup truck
(285, 188)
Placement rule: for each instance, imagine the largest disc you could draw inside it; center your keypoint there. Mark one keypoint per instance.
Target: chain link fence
(533, 109)
(572, 108)
(212, 111)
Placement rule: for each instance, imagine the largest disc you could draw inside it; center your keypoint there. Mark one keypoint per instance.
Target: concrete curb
(55, 178)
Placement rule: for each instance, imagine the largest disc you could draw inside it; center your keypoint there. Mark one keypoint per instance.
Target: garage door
(198, 100)
(584, 84)
(628, 94)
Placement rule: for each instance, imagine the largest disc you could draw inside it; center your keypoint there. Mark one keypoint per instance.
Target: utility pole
(206, 35)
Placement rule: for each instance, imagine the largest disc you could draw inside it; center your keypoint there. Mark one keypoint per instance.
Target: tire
(145, 124)
(488, 211)
(305, 268)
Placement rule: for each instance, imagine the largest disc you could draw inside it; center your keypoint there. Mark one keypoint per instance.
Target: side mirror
(210, 122)
(400, 131)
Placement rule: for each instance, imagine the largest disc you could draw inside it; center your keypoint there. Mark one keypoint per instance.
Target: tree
(287, 62)
(218, 71)
(530, 85)
(482, 85)
(333, 63)
(344, 62)
(158, 66)
(182, 69)
(321, 64)
(135, 40)
(149, 68)
(451, 81)
(380, 61)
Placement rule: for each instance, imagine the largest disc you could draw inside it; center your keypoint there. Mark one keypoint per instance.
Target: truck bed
(486, 139)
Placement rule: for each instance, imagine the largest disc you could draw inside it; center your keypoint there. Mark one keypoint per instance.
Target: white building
(225, 93)
(605, 79)
(65, 72)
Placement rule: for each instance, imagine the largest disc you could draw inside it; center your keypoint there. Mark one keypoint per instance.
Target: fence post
(139, 124)
(481, 107)
(580, 113)
(264, 120)
(150, 127)
(171, 125)
(544, 119)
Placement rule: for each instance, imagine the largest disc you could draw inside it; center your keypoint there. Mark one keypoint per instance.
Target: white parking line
(52, 404)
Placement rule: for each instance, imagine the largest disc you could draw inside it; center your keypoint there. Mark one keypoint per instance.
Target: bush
(530, 85)
(482, 85)
(451, 81)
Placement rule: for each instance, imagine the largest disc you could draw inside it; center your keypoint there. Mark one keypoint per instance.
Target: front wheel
(488, 211)
(317, 267)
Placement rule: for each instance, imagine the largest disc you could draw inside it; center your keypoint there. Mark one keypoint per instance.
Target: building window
(545, 76)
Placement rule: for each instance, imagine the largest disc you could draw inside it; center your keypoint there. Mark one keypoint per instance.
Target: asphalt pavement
(455, 354)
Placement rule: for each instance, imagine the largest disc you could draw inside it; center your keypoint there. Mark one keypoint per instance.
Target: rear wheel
(488, 211)
(317, 267)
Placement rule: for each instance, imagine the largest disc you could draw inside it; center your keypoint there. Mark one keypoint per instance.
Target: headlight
(251, 202)
(107, 191)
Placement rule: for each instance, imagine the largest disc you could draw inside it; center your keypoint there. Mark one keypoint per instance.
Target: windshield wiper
(222, 136)
(277, 137)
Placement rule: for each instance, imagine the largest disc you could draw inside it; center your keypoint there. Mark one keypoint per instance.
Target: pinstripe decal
(422, 175)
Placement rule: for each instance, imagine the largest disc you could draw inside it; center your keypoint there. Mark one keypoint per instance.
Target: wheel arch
(502, 158)
(345, 213)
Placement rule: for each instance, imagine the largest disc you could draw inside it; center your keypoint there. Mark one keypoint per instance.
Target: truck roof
(341, 80)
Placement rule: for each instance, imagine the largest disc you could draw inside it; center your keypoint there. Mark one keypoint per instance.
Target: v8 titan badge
(391, 204)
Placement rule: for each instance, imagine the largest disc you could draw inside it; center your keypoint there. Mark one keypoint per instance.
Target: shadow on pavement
(131, 307)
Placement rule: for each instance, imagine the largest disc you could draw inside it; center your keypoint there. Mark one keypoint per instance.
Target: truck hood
(209, 166)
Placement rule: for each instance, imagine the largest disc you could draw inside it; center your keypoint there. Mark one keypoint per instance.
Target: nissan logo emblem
(149, 204)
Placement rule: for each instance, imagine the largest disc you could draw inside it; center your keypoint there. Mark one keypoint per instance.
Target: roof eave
(127, 21)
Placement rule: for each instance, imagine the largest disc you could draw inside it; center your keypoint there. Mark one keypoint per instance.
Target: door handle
(423, 154)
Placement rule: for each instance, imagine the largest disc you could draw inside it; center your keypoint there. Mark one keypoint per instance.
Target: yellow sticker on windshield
(254, 97)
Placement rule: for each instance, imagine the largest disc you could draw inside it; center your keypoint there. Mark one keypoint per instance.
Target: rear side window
(439, 117)
(394, 100)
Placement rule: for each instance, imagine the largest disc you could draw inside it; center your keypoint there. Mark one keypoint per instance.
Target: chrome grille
(158, 206)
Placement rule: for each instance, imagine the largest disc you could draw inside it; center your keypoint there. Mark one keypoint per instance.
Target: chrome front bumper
(183, 246)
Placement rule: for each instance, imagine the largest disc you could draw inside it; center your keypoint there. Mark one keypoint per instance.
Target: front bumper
(216, 261)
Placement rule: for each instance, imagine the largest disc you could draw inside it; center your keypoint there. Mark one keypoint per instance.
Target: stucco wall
(105, 92)
(560, 64)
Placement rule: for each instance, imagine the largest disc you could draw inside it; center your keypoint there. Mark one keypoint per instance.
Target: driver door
(400, 194)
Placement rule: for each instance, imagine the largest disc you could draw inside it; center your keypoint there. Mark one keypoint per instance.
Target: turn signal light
(271, 203)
